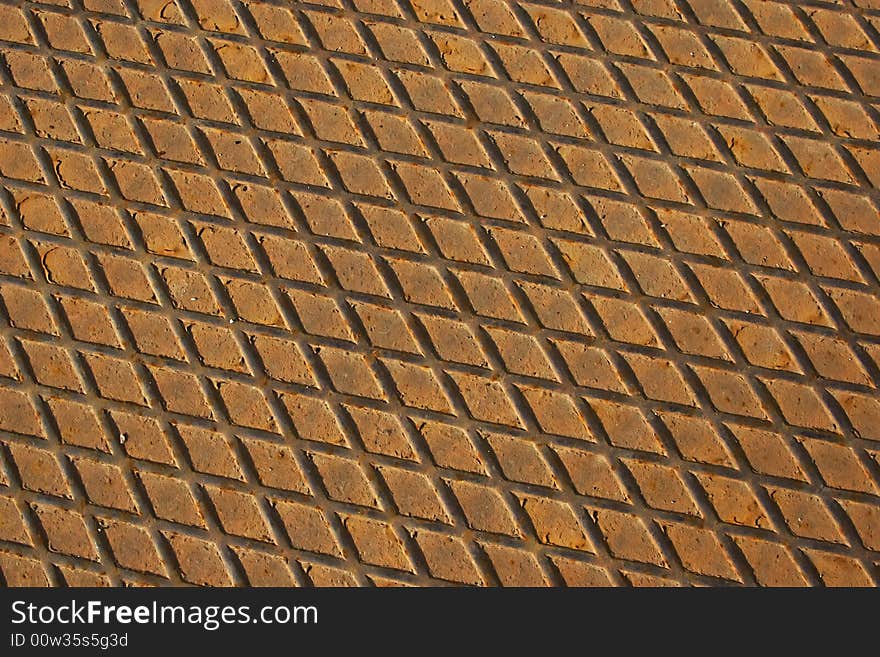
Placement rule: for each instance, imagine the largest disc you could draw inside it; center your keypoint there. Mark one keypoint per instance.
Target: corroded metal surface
(439, 291)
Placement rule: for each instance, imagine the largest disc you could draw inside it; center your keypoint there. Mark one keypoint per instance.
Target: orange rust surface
(486, 292)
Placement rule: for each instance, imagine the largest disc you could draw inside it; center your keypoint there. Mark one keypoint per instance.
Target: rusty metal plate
(379, 292)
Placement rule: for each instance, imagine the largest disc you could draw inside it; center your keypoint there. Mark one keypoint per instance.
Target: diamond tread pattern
(390, 292)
